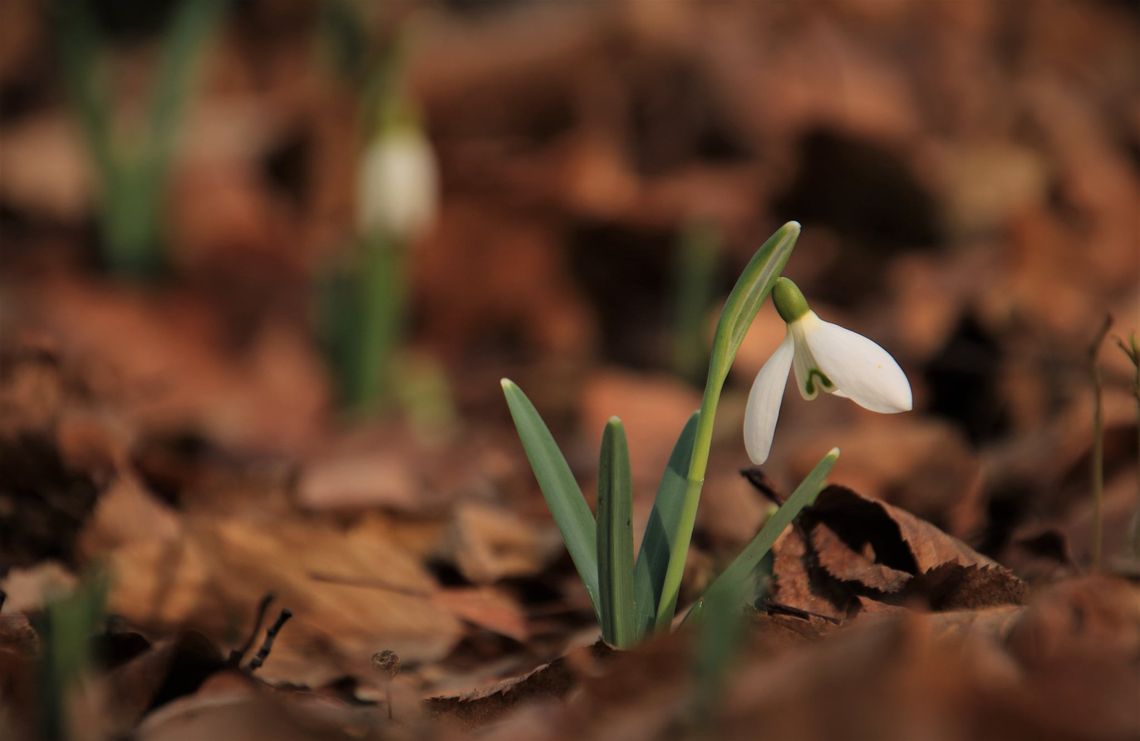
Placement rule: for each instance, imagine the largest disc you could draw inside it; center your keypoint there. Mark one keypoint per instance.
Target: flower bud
(397, 188)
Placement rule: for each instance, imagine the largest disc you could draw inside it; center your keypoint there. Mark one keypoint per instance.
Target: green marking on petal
(824, 381)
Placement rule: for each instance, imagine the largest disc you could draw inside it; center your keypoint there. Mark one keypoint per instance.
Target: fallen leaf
(653, 409)
(487, 608)
(848, 548)
(352, 595)
(489, 543)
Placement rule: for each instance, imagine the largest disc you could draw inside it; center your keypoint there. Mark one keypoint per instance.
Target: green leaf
(752, 287)
(192, 25)
(740, 571)
(661, 530)
(563, 497)
(720, 636)
(615, 538)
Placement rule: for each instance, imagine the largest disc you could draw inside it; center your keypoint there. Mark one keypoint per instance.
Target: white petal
(397, 184)
(808, 382)
(859, 368)
(764, 402)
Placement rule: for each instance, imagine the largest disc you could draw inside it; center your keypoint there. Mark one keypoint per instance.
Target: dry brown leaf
(485, 607)
(859, 548)
(163, 672)
(793, 583)
(653, 409)
(841, 562)
(953, 586)
(489, 543)
(1090, 616)
(250, 713)
(552, 680)
(361, 481)
(17, 634)
(44, 169)
(28, 590)
(352, 595)
(899, 539)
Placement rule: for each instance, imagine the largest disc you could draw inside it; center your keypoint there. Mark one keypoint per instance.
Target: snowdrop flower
(397, 183)
(824, 356)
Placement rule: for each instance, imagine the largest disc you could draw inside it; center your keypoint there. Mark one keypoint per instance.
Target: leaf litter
(974, 209)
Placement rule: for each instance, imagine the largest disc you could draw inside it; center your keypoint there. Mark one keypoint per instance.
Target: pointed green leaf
(563, 497)
(661, 530)
(740, 571)
(615, 538)
(747, 296)
(720, 638)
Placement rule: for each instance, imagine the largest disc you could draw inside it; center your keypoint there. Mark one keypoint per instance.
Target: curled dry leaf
(850, 546)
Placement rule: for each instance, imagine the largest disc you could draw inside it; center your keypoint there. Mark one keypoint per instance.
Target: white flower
(824, 356)
(397, 183)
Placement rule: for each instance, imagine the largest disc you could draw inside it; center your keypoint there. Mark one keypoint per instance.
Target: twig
(778, 608)
(270, 636)
(1132, 350)
(1098, 443)
(238, 654)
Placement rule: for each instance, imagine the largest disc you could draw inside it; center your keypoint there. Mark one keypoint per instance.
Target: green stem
(381, 300)
(695, 480)
(741, 307)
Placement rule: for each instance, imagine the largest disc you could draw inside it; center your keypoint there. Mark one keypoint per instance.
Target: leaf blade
(615, 538)
(740, 570)
(563, 496)
(747, 296)
(661, 529)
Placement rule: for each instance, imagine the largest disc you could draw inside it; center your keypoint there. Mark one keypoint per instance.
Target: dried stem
(1098, 443)
(239, 653)
(1132, 350)
(270, 637)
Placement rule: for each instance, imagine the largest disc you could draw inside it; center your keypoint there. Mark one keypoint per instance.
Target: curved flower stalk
(823, 356)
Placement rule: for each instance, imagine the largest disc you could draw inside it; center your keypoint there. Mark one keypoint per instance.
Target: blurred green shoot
(1132, 350)
(365, 308)
(633, 598)
(720, 637)
(694, 280)
(424, 394)
(1098, 443)
(132, 159)
(66, 628)
(361, 316)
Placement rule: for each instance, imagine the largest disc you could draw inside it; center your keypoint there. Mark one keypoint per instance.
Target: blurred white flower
(397, 188)
(823, 356)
